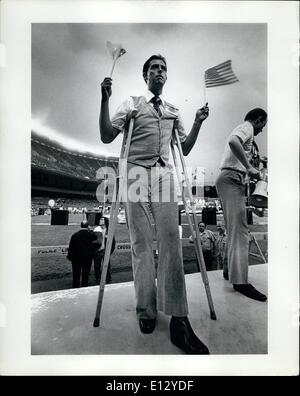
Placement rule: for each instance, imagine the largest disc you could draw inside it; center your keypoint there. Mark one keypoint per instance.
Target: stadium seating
(50, 155)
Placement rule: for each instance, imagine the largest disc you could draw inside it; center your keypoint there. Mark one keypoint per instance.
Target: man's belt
(235, 170)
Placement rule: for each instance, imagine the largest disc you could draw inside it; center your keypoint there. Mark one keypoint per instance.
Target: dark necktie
(156, 102)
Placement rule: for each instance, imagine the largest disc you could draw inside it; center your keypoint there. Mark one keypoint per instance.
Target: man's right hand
(106, 90)
(253, 172)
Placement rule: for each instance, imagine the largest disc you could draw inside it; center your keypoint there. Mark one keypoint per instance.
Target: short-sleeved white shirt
(245, 132)
(120, 117)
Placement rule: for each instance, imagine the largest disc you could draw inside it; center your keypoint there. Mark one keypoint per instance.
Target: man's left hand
(202, 113)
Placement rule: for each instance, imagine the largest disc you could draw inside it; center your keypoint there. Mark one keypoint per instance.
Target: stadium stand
(57, 172)
(50, 155)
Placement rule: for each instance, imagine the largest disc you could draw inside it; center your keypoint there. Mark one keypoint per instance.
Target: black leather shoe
(147, 326)
(250, 291)
(183, 337)
(225, 275)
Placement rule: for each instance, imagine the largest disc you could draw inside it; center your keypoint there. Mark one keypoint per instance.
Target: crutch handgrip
(132, 114)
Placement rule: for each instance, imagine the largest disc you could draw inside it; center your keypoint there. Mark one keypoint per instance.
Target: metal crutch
(117, 194)
(254, 240)
(194, 231)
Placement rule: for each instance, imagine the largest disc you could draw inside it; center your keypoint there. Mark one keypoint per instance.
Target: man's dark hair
(255, 114)
(106, 221)
(147, 63)
(84, 224)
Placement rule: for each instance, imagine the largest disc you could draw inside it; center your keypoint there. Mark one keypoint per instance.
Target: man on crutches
(150, 189)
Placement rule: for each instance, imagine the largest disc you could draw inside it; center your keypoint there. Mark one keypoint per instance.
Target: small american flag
(221, 74)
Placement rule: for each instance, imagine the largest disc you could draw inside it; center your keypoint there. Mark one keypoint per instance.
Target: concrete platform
(62, 321)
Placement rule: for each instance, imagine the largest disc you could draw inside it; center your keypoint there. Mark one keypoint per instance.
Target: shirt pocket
(167, 124)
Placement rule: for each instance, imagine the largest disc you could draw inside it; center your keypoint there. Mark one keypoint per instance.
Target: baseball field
(50, 269)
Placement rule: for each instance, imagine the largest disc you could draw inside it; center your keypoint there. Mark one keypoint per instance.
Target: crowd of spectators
(74, 205)
(52, 157)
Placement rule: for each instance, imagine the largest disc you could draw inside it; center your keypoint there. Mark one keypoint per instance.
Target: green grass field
(55, 272)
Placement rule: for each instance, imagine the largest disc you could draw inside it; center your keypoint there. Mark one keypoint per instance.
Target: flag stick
(113, 66)
(204, 89)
